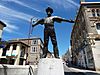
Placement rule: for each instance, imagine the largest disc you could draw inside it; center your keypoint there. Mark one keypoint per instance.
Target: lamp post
(2, 25)
(82, 0)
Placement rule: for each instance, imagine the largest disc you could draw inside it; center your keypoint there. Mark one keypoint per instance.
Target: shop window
(21, 61)
(97, 39)
(3, 61)
(11, 61)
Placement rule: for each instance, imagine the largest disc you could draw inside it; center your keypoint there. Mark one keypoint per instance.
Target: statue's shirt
(49, 21)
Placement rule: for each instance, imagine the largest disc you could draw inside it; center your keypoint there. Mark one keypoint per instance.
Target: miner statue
(49, 31)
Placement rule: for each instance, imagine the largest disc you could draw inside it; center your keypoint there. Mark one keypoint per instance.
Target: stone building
(34, 51)
(85, 36)
(67, 57)
(14, 53)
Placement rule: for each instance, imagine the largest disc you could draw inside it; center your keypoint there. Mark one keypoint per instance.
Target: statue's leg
(46, 39)
(54, 42)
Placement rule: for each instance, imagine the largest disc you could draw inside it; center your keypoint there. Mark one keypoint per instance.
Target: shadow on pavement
(73, 73)
(91, 73)
(80, 73)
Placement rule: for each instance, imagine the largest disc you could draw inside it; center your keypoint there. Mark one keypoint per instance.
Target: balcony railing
(13, 53)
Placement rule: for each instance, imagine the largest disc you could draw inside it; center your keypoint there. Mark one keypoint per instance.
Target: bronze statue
(49, 31)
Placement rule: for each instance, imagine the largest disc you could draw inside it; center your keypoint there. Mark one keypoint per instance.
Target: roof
(26, 39)
(14, 42)
(90, 3)
(2, 23)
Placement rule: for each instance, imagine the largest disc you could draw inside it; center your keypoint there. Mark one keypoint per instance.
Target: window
(82, 19)
(34, 49)
(98, 26)
(5, 50)
(14, 47)
(22, 53)
(98, 12)
(21, 61)
(34, 42)
(97, 39)
(90, 60)
(93, 12)
(11, 62)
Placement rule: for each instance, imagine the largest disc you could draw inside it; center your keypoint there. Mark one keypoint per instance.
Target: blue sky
(16, 14)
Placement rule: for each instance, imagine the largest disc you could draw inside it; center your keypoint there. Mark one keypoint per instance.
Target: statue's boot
(56, 52)
(44, 55)
(57, 56)
(45, 50)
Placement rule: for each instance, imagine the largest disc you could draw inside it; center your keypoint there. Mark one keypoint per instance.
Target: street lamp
(32, 20)
(2, 25)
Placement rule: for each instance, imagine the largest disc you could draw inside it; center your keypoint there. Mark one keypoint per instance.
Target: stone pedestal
(50, 66)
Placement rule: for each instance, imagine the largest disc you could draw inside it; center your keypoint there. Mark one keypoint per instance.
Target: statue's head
(49, 11)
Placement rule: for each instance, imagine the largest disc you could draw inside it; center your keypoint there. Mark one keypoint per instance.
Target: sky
(17, 14)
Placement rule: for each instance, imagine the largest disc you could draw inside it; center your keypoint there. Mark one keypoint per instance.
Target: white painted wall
(1, 51)
(96, 55)
(17, 70)
(50, 66)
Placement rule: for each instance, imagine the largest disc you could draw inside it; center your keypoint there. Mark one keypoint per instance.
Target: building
(67, 57)
(85, 36)
(14, 53)
(2, 25)
(34, 51)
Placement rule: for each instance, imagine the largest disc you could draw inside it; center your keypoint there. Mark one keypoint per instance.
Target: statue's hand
(72, 21)
(33, 25)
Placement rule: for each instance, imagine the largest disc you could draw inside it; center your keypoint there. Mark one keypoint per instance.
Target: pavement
(76, 71)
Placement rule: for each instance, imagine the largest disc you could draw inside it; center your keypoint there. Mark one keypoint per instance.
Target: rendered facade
(14, 53)
(35, 50)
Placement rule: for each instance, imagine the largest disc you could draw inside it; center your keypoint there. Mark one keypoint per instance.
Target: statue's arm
(41, 21)
(59, 19)
(70, 21)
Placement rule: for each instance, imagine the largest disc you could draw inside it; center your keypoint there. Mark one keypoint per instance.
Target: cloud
(64, 3)
(73, 3)
(13, 13)
(10, 28)
(22, 4)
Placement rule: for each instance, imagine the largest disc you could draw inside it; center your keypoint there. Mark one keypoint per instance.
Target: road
(74, 71)
(70, 71)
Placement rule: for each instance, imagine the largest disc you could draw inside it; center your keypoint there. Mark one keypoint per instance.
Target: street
(69, 71)
(74, 71)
